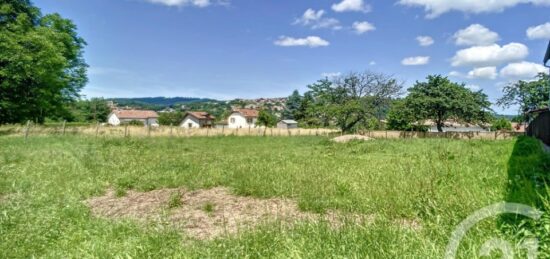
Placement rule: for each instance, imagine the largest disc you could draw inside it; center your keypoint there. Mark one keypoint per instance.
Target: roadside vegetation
(432, 184)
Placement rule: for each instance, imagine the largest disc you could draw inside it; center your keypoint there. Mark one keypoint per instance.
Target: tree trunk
(440, 126)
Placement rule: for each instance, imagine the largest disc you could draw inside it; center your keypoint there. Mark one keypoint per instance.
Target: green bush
(501, 125)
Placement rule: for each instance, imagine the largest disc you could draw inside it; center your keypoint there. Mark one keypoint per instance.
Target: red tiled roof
(201, 115)
(135, 114)
(248, 113)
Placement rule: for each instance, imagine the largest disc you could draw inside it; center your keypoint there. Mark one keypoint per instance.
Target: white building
(287, 124)
(121, 116)
(196, 120)
(242, 118)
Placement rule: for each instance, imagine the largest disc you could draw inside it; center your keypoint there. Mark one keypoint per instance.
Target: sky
(226, 49)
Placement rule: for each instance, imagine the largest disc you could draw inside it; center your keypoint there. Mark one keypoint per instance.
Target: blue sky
(228, 49)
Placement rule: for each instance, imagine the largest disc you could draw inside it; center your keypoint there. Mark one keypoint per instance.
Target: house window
(190, 125)
(249, 121)
(232, 120)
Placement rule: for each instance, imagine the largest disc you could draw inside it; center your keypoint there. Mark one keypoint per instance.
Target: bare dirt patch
(348, 138)
(207, 214)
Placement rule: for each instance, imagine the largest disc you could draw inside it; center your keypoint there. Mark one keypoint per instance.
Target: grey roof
(289, 122)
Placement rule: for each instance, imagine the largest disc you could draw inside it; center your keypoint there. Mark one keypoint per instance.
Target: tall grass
(436, 182)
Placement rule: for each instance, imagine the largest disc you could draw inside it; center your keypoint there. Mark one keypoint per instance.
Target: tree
(501, 124)
(527, 95)
(93, 110)
(41, 63)
(170, 118)
(266, 118)
(351, 101)
(292, 106)
(439, 100)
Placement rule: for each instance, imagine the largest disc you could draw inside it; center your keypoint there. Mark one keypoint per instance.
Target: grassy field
(436, 183)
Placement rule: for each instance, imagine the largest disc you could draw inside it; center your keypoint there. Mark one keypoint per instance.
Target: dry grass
(216, 212)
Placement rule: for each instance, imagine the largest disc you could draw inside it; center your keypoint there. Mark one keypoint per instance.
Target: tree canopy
(528, 95)
(438, 99)
(41, 63)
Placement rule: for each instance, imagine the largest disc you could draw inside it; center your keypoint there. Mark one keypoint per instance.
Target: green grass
(436, 182)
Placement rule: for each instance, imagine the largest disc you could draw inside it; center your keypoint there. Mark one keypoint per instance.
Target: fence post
(64, 127)
(208, 132)
(97, 129)
(496, 135)
(126, 130)
(27, 130)
(249, 129)
(223, 130)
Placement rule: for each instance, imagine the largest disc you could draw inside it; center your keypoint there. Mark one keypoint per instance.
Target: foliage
(401, 118)
(292, 110)
(219, 109)
(93, 110)
(133, 123)
(170, 118)
(501, 125)
(158, 103)
(41, 63)
(439, 100)
(528, 95)
(266, 118)
(349, 102)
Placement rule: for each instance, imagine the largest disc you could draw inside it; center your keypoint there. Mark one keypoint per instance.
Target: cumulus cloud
(310, 41)
(331, 74)
(435, 8)
(415, 61)
(455, 74)
(363, 27)
(425, 41)
(522, 70)
(483, 73)
(180, 3)
(539, 32)
(475, 35)
(492, 55)
(316, 20)
(352, 6)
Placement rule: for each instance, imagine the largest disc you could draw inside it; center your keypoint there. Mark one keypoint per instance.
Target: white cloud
(483, 73)
(331, 74)
(455, 74)
(473, 87)
(522, 70)
(492, 55)
(180, 3)
(415, 61)
(363, 27)
(316, 21)
(310, 41)
(475, 35)
(372, 63)
(435, 8)
(425, 41)
(539, 32)
(351, 6)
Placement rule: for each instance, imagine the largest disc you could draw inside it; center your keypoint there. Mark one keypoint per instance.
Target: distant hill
(157, 102)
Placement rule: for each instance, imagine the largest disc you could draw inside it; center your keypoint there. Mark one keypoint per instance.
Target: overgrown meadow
(436, 183)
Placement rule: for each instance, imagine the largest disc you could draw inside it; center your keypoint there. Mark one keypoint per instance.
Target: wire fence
(99, 130)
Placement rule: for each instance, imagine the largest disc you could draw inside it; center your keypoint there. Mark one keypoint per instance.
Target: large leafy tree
(439, 100)
(351, 101)
(41, 63)
(93, 110)
(527, 95)
(292, 106)
(266, 118)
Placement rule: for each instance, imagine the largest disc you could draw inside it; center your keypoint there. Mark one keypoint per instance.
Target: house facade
(243, 118)
(148, 118)
(197, 120)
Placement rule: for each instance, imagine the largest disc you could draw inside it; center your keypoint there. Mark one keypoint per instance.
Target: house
(287, 124)
(242, 118)
(118, 117)
(195, 120)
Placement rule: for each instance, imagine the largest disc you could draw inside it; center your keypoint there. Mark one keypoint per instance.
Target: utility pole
(546, 59)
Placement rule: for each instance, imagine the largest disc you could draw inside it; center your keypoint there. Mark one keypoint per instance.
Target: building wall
(282, 125)
(113, 120)
(236, 120)
(190, 120)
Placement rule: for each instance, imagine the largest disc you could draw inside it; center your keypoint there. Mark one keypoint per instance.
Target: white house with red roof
(242, 118)
(197, 120)
(118, 117)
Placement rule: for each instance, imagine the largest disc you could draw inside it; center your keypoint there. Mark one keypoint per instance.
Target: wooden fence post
(27, 130)
(64, 121)
(97, 129)
(126, 130)
(223, 130)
